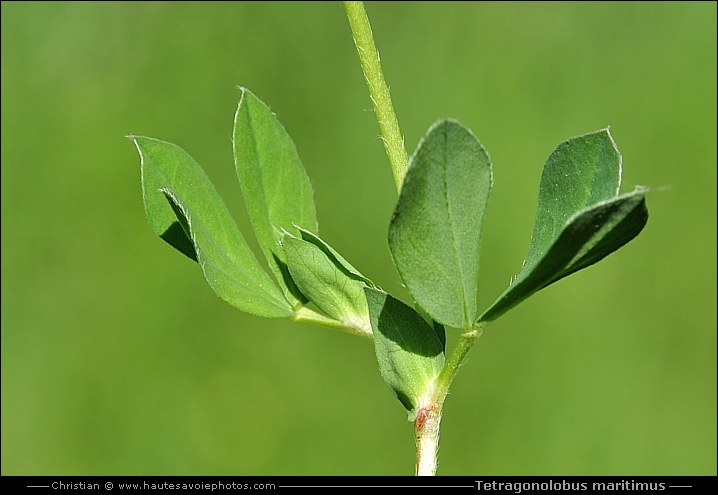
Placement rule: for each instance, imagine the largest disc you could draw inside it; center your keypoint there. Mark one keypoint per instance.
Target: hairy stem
(378, 90)
(428, 419)
(426, 435)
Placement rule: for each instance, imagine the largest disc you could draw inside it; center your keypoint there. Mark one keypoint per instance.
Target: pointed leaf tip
(580, 218)
(184, 209)
(275, 186)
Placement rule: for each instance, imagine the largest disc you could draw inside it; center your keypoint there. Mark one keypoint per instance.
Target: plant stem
(428, 419)
(378, 90)
(426, 435)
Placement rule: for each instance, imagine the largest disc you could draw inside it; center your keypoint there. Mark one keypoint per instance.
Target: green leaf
(184, 209)
(408, 350)
(275, 186)
(336, 258)
(580, 219)
(438, 327)
(328, 280)
(435, 231)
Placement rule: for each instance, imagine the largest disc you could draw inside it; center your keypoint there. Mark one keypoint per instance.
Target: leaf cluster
(434, 236)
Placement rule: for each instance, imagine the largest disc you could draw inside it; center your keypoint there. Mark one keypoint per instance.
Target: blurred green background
(117, 358)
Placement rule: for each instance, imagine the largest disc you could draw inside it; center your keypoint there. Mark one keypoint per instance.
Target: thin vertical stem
(428, 419)
(378, 90)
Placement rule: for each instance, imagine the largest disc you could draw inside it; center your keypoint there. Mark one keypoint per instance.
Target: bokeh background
(117, 358)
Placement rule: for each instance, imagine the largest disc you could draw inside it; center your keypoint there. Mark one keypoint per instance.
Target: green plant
(434, 236)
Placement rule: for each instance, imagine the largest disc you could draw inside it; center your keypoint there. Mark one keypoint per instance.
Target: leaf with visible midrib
(183, 207)
(580, 219)
(275, 186)
(435, 231)
(328, 280)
